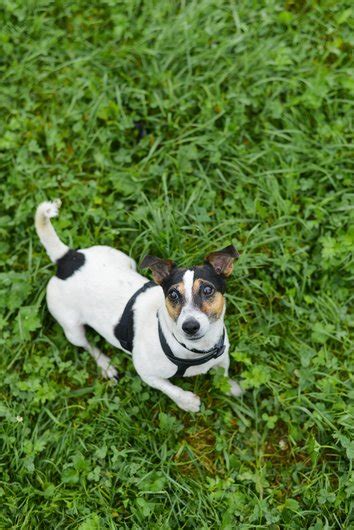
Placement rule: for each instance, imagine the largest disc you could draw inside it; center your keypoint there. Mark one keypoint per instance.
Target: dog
(172, 326)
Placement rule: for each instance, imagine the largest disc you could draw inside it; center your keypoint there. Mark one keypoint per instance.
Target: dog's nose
(190, 326)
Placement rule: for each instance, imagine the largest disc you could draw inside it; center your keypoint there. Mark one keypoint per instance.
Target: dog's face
(194, 296)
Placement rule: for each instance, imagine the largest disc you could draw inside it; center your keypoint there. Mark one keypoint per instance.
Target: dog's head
(194, 296)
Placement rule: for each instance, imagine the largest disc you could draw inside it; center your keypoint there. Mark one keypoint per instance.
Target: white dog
(172, 326)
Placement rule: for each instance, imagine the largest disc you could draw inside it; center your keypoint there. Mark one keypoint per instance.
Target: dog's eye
(208, 290)
(173, 295)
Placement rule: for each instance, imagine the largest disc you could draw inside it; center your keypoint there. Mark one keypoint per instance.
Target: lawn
(176, 128)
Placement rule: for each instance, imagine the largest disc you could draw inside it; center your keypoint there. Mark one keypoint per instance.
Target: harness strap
(183, 364)
(124, 330)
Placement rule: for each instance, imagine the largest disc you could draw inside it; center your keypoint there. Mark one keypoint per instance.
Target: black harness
(124, 332)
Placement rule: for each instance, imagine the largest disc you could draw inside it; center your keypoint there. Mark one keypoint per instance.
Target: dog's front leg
(184, 399)
(235, 389)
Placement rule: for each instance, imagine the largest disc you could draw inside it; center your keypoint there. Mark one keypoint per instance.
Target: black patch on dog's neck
(69, 263)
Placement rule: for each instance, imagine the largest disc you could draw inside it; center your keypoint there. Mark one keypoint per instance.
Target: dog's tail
(46, 233)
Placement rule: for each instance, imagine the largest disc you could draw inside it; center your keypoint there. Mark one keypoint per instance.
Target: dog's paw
(189, 402)
(110, 373)
(235, 389)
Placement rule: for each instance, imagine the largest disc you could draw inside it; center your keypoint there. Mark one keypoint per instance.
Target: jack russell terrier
(172, 326)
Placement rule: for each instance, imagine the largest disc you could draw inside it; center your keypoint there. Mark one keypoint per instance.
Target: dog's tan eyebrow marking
(179, 286)
(199, 282)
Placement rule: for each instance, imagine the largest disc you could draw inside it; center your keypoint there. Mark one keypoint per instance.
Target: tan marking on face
(196, 286)
(213, 305)
(174, 308)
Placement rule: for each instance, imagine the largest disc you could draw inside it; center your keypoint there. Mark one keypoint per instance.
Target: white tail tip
(45, 211)
(50, 209)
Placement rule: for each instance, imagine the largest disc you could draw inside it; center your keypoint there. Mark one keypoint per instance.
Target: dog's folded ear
(222, 261)
(160, 268)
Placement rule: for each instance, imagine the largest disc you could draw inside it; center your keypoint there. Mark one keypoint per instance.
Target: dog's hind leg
(76, 335)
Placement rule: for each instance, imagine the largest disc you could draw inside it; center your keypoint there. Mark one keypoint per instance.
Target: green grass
(177, 128)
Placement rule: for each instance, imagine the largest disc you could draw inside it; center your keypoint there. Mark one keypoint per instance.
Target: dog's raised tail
(46, 233)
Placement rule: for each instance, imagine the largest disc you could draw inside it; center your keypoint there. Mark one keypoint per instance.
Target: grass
(177, 128)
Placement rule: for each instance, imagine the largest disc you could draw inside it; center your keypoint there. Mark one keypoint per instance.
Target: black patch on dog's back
(68, 264)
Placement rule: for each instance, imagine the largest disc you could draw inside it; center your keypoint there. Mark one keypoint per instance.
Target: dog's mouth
(188, 338)
(193, 339)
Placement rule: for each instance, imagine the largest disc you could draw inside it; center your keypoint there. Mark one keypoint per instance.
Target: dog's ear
(160, 268)
(222, 261)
